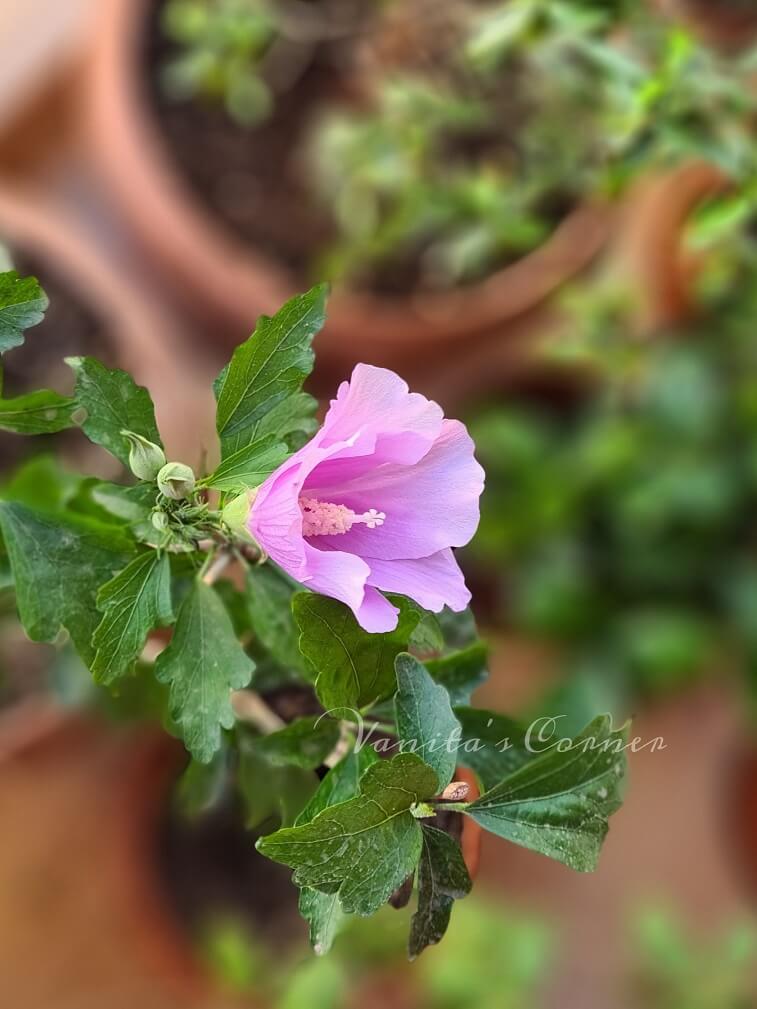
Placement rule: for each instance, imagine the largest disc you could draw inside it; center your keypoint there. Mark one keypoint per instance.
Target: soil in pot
(256, 180)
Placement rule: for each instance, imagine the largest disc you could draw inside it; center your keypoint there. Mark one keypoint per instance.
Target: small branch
(342, 748)
(217, 567)
(250, 707)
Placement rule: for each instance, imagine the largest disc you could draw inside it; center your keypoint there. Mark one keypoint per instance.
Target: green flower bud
(159, 521)
(235, 514)
(145, 458)
(176, 481)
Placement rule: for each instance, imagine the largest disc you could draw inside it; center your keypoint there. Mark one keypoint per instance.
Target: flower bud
(145, 458)
(159, 521)
(236, 512)
(176, 480)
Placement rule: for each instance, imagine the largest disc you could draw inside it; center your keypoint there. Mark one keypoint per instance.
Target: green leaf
(248, 467)
(132, 504)
(40, 412)
(266, 373)
(41, 482)
(271, 791)
(22, 305)
(269, 605)
(353, 668)
(425, 722)
(559, 803)
(492, 745)
(363, 848)
(203, 663)
(202, 786)
(305, 742)
(133, 603)
(461, 672)
(113, 403)
(323, 911)
(427, 638)
(442, 879)
(59, 562)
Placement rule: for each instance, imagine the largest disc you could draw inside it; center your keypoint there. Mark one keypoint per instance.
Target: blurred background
(543, 213)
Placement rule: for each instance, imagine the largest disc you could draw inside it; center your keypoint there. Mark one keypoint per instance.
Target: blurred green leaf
(202, 664)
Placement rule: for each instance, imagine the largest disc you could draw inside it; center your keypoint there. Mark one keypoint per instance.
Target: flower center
(322, 518)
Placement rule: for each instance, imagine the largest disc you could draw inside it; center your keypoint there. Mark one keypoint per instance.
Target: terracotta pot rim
(235, 280)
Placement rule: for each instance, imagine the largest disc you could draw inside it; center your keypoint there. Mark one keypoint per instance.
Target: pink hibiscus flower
(375, 502)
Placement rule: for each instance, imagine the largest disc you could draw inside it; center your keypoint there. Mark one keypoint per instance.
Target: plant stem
(451, 807)
(250, 707)
(217, 567)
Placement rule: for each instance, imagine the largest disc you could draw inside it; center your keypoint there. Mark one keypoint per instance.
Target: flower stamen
(322, 518)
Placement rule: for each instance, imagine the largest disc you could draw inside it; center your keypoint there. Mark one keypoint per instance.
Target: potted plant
(306, 673)
(425, 190)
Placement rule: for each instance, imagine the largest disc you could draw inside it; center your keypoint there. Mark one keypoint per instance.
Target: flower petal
(275, 519)
(343, 577)
(377, 615)
(339, 575)
(434, 582)
(404, 424)
(429, 506)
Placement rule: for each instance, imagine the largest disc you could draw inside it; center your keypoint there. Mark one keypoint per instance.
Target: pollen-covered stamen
(322, 518)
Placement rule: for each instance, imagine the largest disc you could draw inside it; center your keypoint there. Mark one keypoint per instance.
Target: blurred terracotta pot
(83, 922)
(742, 812)
(138, 336)
(650, 253)
(728, 23)
(233, 283)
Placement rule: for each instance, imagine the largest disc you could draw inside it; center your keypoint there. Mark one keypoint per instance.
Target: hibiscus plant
(313, 559)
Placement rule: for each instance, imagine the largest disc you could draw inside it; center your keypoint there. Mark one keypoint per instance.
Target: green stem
(451, 807)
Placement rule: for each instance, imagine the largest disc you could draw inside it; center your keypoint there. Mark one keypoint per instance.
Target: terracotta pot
(83, 922)
(650, 253)
(141, 339)
(728, 23)
(231, 282)
(741, 817)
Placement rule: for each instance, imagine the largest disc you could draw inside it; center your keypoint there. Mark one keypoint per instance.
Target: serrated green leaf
(203, 663)
(323, 911)
(267, 371)
(559, 803)
(461, 672)
(492, 745)
(353, 668)
(40, 412)
(133, 603)
(442, 879)
(22, 305)
(269, 606)
(249, 467)
(425, 721)
(363, 848)
(305, 742)
(113, 403)
(59, 562)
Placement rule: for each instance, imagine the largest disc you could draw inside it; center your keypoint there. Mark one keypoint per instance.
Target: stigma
(322, 518)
